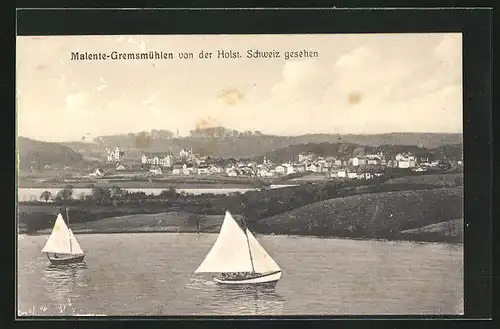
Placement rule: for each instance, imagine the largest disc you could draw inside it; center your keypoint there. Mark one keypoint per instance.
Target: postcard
(305, 174)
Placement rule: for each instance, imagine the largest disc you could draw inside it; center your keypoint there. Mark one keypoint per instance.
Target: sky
(358, 84)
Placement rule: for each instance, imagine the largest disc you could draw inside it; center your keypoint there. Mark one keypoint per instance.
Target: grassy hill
(451, 229)
(38, 154)
(422, 215)
(231, 146)
(372, 215)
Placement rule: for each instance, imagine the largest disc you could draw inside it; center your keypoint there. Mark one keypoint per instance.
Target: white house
(406, 160)
(97, 173)
(435, 163)
(203, 170)
(177, 170)
(337, 162)
(352, 175)
(215, 169)
(340, 173)
(231, 173)
(357, 161)
(366, 175)
(299, 168)
(187, 169)
(280, 170)
(289, 169)
(406, 163)
(312, 167)
(373, 159)
(264, 172)
(155, 171)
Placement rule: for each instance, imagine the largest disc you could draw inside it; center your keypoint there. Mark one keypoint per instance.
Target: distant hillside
(345, 150)
(251, 144)
(38, 154)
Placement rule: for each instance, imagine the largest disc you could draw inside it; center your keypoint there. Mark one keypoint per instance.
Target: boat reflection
(232, 300)
(258, 300)
(62, 284)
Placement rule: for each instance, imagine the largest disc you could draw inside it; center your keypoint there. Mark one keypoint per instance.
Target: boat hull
(65, 259)
(267, 280)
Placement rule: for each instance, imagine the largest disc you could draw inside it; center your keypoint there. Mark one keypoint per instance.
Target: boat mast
(248, 244)
(69, 232)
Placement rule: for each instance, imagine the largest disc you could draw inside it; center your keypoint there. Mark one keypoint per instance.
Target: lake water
(28, 194)
(152, 274)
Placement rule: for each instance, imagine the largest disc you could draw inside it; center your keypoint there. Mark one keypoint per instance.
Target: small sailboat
(239, 258)
(62, 247)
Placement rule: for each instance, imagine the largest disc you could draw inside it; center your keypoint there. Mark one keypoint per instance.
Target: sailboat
(62, 247)
(239, 258)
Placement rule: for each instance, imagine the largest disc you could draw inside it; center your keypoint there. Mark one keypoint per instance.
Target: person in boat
(56, 256)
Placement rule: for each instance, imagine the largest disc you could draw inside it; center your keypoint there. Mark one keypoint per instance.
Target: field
(160, 222)
(437, 180)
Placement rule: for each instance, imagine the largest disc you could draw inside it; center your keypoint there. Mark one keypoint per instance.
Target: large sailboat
(61, 246)
(239, 258)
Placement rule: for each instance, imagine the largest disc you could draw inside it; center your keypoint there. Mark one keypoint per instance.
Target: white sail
(75, 246)
(229, 252)
(62, 240)
(262, 261)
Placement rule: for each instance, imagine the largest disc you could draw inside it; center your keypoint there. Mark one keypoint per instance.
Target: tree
(193, 220)
(143, 140)
(444, 164)
(117, 192)
(101, 194)
(46, 195)
(65, 194)
(170, 193)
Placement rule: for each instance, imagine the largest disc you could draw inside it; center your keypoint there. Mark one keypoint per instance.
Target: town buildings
(158, 159)
(115, 155)
(405, 160)
(359, 166)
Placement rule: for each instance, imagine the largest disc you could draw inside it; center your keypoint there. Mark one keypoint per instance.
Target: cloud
(361, 56)
(102, 86)
(300, 80)
(141, 44)
(230, 96)
(207, 122)
(76, 102)
(450, 48)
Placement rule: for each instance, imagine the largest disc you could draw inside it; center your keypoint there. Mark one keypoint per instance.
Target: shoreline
(136, 185)
(156, 231)
(444, 239)
(153, 182)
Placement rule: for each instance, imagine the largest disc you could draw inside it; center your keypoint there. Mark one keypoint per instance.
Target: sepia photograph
(208, 175)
